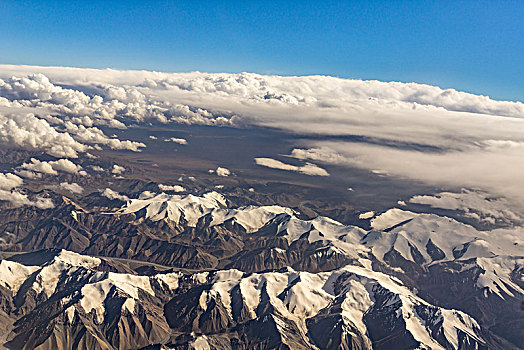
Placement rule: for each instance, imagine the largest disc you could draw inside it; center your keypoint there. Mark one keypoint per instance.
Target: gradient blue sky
(475, 46)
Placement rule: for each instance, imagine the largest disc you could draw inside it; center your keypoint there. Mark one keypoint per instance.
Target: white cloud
(52, 167)
(415, 131)
(9, 193)
(72, 187)
(307, 169)
(476, 204)
(29, 132)
(39, 167)
(106, 106)
(9, 181)
(175, 188)
(117, 169)
(367, 215)
(28, 174)
(132, 90)
(75, 111)
(324, 155)
(66, 165)
(19, 199)
(109, 193)
(223, 171)
(177, 140)
(97, 168)
(96, 136)
(498, 171)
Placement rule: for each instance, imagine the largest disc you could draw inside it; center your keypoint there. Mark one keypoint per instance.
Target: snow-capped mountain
(411, 238)
(196, 271)
(348, 307)
(190, 208)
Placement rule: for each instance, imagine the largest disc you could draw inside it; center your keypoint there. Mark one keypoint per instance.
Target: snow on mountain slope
(69, 267)
(299, 296)
(12, 274)
(409, 310)
(455, 239)
(499, 269)
(390, 218)
(94, 294)
(174, 207)
(345, 239)
(428, 239)
(191, 208)
(48, 277)
(423, 239)
(76, 259)
(368, 300)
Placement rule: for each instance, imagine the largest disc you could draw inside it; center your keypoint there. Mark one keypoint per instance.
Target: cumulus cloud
(28, 174)
(9, 181)
(71, 187)
(52, 167)
(110, 194)
(106, 105)
(39, 166)
(19, 199)
(117, 169)
(222, 171)
(177, 140)
(76, 113)
(97, 168)
(29, 132)
(134, 90)
(16, 198)
(67, 166)
(307, 169)
(96, 136)
(175, 188)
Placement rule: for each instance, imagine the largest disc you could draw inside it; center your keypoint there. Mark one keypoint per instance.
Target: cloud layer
(478, 205)
(416, 131)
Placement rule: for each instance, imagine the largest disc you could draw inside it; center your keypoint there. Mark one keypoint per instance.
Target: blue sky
(475, 46)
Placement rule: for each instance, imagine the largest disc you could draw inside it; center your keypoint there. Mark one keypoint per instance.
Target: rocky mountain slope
(254, 277)
(96, 309)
